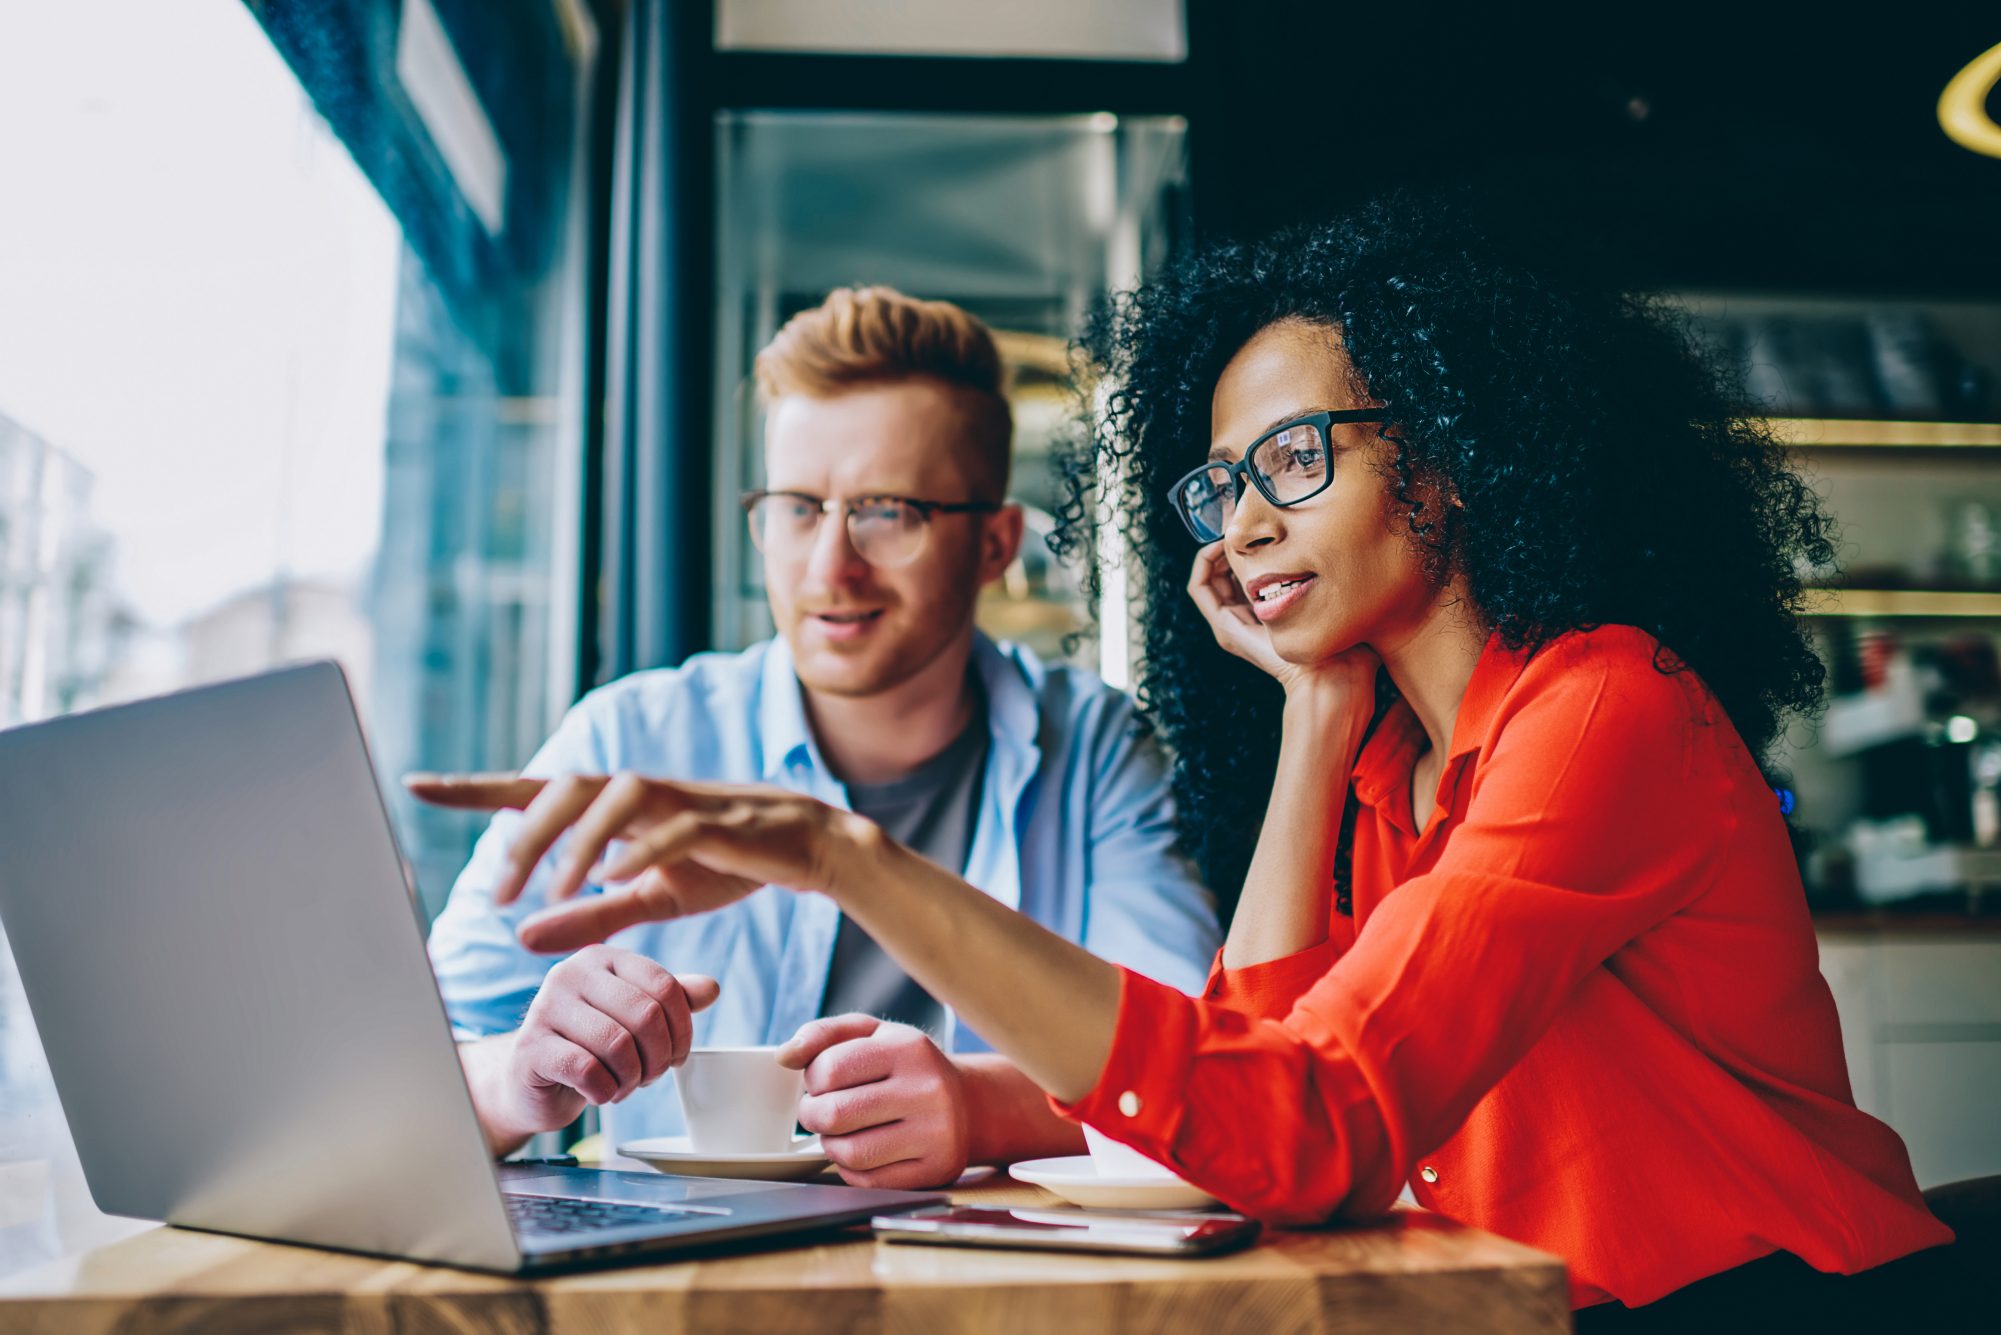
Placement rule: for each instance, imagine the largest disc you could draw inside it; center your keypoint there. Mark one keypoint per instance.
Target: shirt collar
(1382, 770)
(782, 729)
(1013, 679)
(1010, 678)
(1493, 677)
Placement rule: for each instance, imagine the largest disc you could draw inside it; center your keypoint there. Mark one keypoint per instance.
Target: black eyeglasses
(886, 531)
(1287, 464)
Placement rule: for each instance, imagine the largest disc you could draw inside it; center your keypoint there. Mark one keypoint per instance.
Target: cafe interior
(418, 335)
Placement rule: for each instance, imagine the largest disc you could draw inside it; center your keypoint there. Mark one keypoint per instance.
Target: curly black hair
(1606, 474)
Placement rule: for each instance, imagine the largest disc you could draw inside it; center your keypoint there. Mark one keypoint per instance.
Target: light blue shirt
(1075, 828)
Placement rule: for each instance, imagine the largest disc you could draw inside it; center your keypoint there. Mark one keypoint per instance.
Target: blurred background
(415, 333)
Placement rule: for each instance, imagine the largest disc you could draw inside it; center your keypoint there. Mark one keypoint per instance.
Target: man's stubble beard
(896, 668)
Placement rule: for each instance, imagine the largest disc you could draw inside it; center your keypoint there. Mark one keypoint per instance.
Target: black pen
(553, 1161)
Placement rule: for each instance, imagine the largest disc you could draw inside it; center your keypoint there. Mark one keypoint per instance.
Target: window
(289, 368)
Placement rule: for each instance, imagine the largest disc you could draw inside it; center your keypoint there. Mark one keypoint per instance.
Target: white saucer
(675, 1154)
(1077, 1180)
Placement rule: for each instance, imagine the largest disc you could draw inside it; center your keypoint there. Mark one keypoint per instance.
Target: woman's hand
(1213, 586)
(687, 847)
(1348, 678)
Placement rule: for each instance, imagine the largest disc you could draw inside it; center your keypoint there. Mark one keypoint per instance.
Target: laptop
(225, 960)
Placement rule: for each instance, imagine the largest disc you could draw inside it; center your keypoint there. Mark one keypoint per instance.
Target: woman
(1521, 924)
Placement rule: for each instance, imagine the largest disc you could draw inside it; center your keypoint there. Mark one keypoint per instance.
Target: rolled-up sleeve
(1268, 989)
(1574, 841)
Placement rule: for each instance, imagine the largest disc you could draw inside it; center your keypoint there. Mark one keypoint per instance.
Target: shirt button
(1129, 1104)
(1428, 1173)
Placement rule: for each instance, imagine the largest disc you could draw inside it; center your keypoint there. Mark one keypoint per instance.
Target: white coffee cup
(1112, 1159)
(739, 1100)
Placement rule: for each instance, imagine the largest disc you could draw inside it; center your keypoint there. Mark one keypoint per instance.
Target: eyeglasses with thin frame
(885, 531)
(1288, 464)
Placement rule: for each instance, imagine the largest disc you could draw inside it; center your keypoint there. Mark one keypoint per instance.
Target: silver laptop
(226, 964)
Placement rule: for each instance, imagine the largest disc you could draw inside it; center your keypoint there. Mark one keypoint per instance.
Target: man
(886, 458)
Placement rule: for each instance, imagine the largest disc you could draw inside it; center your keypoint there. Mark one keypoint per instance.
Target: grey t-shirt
(931, 810)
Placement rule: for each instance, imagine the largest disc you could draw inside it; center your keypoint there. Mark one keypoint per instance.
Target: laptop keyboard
(568, 1214)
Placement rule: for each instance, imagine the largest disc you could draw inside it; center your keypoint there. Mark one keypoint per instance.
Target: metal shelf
(1827, 433)
(1931, 603)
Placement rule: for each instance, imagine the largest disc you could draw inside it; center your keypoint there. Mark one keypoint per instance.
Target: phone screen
(1067, 1230)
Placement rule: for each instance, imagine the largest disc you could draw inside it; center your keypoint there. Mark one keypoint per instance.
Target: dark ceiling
(1713, 146)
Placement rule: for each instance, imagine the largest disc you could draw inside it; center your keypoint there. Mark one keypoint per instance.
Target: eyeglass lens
(884, 532)
(1290, 465)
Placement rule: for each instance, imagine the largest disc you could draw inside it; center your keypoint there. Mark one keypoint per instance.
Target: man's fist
(606, 1022)
(888, 1105)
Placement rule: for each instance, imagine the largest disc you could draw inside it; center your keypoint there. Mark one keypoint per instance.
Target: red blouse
(1580, 1008)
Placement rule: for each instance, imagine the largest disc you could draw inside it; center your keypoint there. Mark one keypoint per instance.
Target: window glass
(275, 386)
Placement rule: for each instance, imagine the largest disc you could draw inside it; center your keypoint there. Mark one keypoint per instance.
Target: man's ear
(1000, 542)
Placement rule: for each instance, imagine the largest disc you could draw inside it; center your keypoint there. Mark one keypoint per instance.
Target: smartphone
(1070, 1230)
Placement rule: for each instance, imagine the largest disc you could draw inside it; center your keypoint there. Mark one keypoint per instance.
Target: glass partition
(1023, 220)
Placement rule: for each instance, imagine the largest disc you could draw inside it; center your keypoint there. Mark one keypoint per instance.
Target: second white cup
(739, 1100)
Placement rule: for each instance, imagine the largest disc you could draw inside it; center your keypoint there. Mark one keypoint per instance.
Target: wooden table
(1415, 1272)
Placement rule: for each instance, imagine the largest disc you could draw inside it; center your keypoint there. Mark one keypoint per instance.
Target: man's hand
(606, 1022)
(889, 1107)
